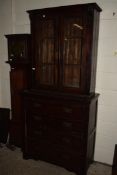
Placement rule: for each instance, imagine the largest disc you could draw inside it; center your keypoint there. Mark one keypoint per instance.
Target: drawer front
(57, 109)
(73, 112)
(36, 125)
(61, 132)
(57, 126)
(69, 126)
(35, 105)
(69, 142)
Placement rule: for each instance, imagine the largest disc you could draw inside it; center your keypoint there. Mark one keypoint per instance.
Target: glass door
(46, 54)
(72, 51)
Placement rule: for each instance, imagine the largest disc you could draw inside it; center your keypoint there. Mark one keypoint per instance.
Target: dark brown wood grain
(62, 123)
(60, 112)
(19, 58)
(65, 48)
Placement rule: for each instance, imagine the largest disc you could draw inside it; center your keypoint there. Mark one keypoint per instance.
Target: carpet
(12, 163)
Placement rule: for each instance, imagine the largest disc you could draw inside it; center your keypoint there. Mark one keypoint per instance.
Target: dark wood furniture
(114, 165)
(19, 59)
(60, 128)
(4, 124)
(61, 107)
(64, 46)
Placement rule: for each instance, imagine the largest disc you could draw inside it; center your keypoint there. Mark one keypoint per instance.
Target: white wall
(106, 83)
(5, 28)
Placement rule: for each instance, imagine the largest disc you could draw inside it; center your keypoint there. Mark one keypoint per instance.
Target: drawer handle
(38, 118)
(68, 110)
(66, 140)
(67, 124)
(37, 105)
(38, 133)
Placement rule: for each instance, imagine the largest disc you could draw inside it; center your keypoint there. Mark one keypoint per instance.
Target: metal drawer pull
(37, 105)
(38, 133)
(37, 117)
(68, 110)
(67, 124)
(66, 140)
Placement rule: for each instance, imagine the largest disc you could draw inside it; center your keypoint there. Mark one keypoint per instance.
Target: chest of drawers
(60, 129)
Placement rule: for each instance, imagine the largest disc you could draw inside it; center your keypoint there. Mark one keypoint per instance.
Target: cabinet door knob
(11, 55)
(33, 68)
(43, 15)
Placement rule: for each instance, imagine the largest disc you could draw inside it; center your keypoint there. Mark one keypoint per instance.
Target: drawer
(35, 106)
(70, 142)
(58, 109)
(73, 141)
(66, 126)
(35, 120)
(40, 122)
(73, 112)
(71, 161)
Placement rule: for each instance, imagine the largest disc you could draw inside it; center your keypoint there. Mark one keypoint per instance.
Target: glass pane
(47, 50)
(47, 28)
(46, 68)
(71, 76)
(73, 27)
(72, 51)
(46, 74)
(17, 49)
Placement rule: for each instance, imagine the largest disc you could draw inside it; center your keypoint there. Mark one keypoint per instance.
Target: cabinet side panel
(91, 131)
(94, 50)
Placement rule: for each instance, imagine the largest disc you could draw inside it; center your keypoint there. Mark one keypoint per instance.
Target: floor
(12, 163)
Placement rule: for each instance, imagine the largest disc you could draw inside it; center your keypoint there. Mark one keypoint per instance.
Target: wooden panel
(114, 165)
(71, 76)
(19, 57)
(72, 51)
(45, 52)
(60, 110)
(16, 133)
(18, 81)
(69, 159)
(50, 124)
(65, 125)
(19, 46)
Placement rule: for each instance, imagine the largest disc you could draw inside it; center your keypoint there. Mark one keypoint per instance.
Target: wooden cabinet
(20, 62)
(19, 48)
(60, 110)
(64, 51)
